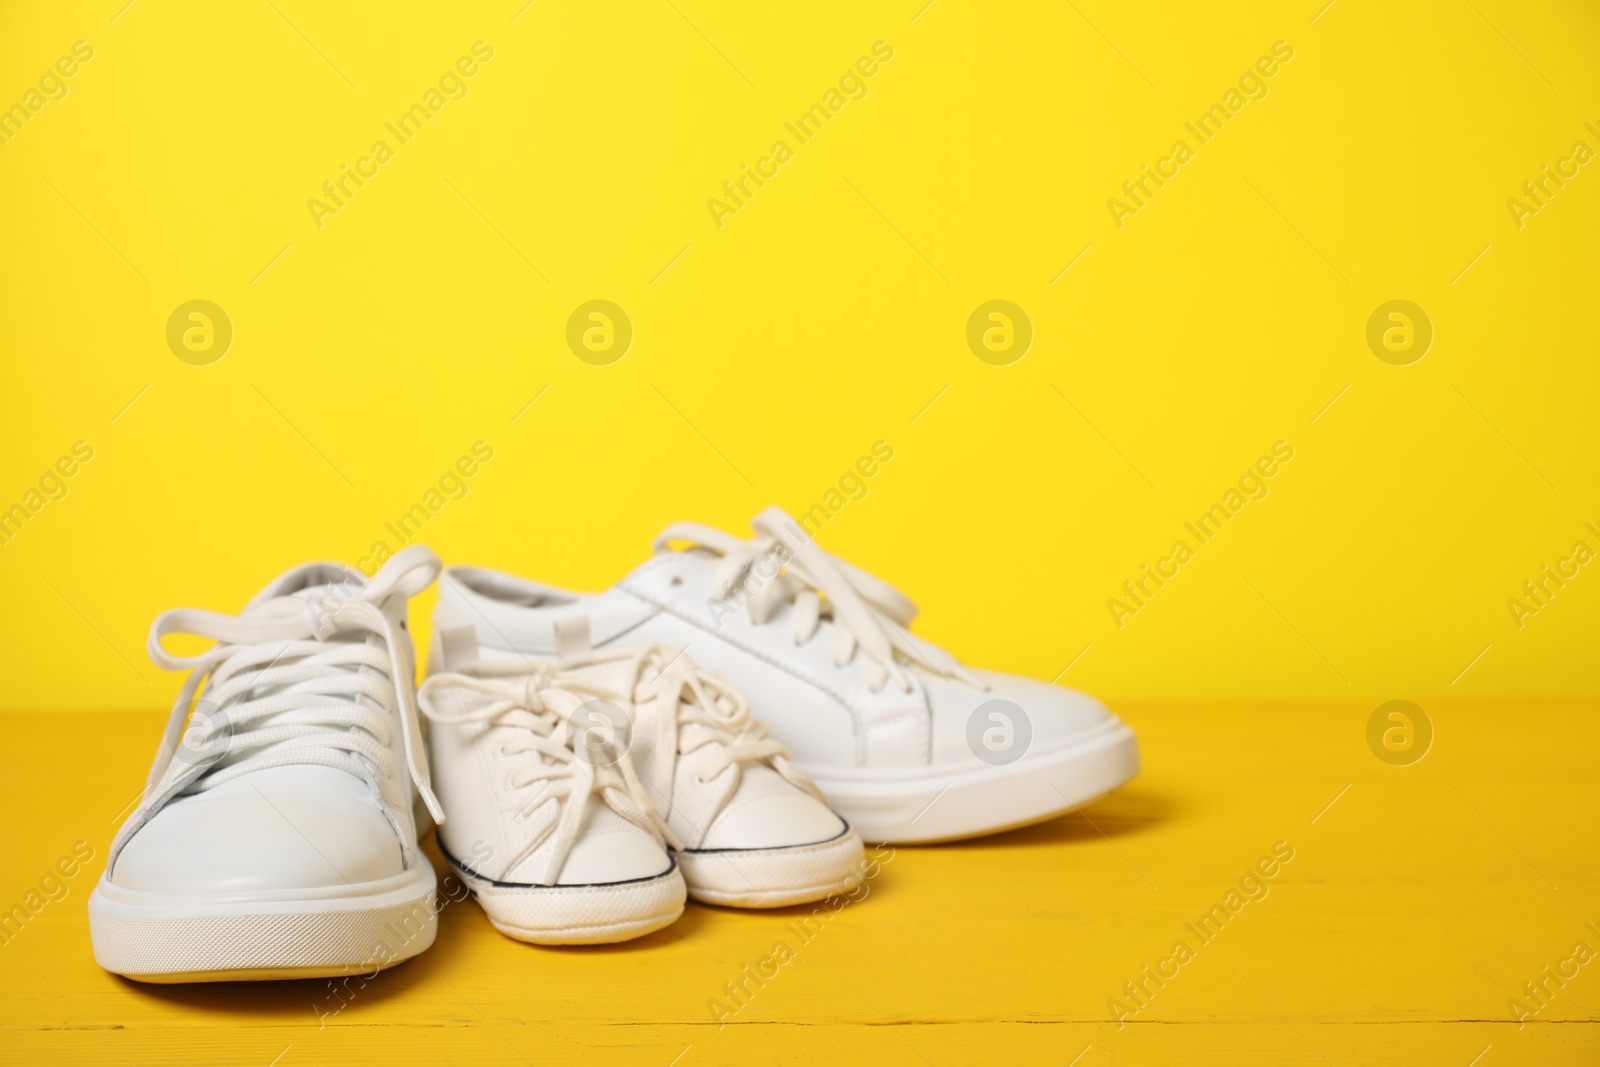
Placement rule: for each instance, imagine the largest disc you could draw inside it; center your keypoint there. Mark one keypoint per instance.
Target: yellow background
(807, 328)
(769, 354)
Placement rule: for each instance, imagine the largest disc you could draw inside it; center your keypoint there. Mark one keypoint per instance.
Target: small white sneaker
(750, 830)
(560, 843)
(906, 743)
(275, 838)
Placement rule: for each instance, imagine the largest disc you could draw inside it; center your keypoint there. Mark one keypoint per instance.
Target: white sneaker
(750, 830)
(560, 844)
(275, 838)
(906, 743)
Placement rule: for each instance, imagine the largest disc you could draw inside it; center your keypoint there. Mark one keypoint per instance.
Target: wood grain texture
(1414, 908)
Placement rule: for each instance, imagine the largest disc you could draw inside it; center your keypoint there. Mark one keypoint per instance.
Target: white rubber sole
(922, 805)
(318, 933)
(774, 877)
(579, 914)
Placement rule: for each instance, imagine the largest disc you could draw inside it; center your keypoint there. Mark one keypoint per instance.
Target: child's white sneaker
(547, 823)
(748, 829)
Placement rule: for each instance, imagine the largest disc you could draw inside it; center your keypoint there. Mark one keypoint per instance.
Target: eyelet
(677, 579)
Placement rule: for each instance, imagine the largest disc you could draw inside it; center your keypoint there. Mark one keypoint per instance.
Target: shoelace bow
(684, 709)
(283, 690)
(783, 565)
(541, 702)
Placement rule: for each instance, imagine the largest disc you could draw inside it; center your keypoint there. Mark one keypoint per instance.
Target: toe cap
(608, 849)
(287, 828)
(767, 811)
(626, 855)
(1013, 717)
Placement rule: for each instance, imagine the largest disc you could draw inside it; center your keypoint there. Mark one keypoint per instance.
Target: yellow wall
(772, 350)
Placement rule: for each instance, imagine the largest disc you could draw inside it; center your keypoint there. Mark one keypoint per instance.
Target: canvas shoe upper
(750, 829)
(907, 744)
(549, 825)
(275, 837)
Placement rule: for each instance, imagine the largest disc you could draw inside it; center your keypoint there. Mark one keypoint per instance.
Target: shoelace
(290, 692)
(542, 701)
(783, 565)
(689, 709)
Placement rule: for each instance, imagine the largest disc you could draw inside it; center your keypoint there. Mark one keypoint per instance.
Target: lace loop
(689, 710)
(288, 692)
(784, 565)
(542, 701)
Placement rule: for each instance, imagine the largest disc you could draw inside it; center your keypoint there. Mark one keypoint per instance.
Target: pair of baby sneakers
(588, 797)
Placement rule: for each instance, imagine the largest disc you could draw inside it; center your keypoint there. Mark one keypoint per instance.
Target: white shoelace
(784, 565)
(687, 709)
(540, 702)
(292, 681)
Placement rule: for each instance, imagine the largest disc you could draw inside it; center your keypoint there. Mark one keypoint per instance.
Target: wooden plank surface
(1417, 903)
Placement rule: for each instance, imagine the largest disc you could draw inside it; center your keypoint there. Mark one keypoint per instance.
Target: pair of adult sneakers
(585, 772)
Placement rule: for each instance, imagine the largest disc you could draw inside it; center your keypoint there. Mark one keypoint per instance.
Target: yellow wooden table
(1425, 914)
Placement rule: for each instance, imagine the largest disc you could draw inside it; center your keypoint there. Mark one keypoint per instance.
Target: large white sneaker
(906, 743)
(749, 829)
(275, 837)
(548, 824)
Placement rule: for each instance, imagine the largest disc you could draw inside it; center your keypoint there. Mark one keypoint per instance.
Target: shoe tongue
(312, 578)
(615, 676)
(324, 587)
(338, 592)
